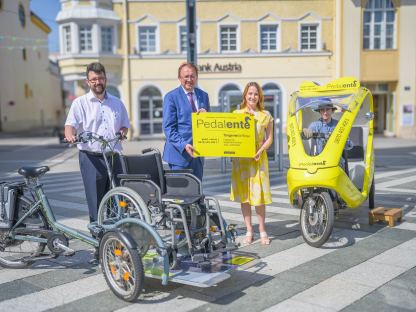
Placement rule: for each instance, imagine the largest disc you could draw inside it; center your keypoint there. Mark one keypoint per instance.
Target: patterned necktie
(191, 100)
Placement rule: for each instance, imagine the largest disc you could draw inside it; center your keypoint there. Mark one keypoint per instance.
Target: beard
(98, 89)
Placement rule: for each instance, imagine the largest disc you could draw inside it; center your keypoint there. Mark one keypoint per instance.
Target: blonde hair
(260, 103)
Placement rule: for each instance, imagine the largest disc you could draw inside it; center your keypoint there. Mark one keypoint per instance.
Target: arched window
(230, 97)
(113, 91)
(272, 98)
(150, 111)
(379, 24)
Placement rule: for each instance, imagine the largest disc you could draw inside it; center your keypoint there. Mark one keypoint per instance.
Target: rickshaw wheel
(316, 227)
(121, 266)
(371, 195)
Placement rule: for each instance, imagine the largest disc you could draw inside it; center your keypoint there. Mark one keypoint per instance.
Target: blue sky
(47, 11)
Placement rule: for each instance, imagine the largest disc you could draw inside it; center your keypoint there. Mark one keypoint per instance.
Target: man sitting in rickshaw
(325, 125)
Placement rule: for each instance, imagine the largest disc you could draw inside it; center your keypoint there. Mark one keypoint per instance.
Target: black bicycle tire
(137, 264)
(41, 247)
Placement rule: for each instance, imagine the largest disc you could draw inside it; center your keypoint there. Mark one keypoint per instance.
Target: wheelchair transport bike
(156, 224)
(324, 177)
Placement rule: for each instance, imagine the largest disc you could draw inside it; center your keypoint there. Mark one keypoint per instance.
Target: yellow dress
(250, 179)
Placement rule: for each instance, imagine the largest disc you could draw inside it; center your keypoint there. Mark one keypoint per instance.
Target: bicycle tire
(122, 267)
(16, 253)
(309, 222)
(371, 195)
(110, 212)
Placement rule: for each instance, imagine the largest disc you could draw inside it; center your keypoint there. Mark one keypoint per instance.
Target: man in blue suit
(178, 106)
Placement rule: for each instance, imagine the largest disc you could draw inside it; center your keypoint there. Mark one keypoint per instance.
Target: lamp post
(191, 31)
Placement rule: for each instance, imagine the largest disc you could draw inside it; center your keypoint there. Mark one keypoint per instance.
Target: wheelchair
(172, 202)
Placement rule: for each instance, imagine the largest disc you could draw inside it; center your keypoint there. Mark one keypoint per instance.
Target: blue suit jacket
(177, 124)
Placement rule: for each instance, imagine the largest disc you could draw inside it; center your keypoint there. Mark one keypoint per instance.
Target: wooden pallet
(389, 215)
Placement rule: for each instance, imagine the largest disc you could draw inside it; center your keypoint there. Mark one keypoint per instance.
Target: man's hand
(70, 134)
(190, 150)
(201, 110)
(307, 133)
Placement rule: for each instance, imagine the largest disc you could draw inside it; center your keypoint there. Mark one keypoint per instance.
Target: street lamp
(191, 31)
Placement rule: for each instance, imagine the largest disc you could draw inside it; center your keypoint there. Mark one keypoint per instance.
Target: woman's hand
(258, 155)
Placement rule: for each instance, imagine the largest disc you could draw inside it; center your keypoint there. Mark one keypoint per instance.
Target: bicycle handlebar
(315, 135)
(88, 136)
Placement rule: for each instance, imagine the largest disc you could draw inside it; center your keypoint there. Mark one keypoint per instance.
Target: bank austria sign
(220, 68)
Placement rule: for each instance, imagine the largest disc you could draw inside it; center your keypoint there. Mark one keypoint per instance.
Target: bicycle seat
(33, 172)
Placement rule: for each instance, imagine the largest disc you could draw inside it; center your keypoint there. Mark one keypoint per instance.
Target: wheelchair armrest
(134, 176)
(179, 171)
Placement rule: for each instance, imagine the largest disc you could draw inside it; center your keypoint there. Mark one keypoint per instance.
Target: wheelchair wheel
(317, 219)
(371, 195)
(17, 254)
(122, 267)
(122, 202)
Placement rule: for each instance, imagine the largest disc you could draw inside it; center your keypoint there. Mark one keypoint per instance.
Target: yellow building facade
(30, 85)
(277, 43)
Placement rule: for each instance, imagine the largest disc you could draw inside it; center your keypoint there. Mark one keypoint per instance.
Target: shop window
(150, 111)
(230, 98)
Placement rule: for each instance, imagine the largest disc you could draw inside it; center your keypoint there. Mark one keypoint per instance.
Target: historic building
(277, 43)
(30, 85)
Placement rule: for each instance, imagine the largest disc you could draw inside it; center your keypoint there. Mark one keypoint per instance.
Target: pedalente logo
(318, 163)
(342, 85)
(221, 124)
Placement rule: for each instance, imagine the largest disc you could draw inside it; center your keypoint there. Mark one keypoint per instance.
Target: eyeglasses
(95, 80)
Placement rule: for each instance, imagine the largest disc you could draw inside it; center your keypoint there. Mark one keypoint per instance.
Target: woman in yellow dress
(250, 183)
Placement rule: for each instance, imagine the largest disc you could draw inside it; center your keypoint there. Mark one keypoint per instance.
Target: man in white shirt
(104, 114)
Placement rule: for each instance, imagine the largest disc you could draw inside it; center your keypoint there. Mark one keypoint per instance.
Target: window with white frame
(147, 38)
(85, 38)
(183, 39)
(379, 20)
(107, 39)
(228, 38)
(268, 37)
(66, 36)
(309, 37)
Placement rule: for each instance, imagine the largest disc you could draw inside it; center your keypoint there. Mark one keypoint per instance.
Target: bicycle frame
(43, 205)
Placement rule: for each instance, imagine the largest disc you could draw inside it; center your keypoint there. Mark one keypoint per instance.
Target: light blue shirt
(327, 128)
(105, 118)
(194, 97)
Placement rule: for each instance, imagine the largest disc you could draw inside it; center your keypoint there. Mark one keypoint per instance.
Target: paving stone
(16, 289)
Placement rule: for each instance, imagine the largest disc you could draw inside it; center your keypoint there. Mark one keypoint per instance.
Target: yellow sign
(223, 135)
(337, 84)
